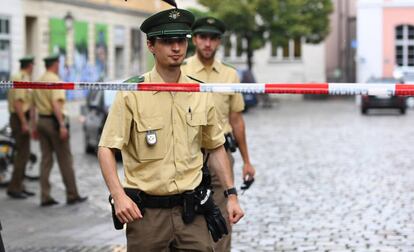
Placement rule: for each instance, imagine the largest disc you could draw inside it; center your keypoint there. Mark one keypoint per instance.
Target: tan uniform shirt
(43, 98)
(217, 73)
(183, 124)
(24, 95)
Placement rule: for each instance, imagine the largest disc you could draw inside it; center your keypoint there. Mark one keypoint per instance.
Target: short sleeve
(58, 95)
(116, 131)
(213, 134)
(236, 103)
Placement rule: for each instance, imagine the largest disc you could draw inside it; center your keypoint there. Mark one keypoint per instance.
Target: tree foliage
(277, 21)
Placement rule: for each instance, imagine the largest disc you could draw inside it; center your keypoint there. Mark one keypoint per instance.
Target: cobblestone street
(328, 180)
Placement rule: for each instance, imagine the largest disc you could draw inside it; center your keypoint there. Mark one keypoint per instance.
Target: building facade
(385, 39)
(96, 39)
(340, 45)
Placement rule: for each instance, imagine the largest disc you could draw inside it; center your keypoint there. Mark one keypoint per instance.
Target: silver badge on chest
(151, 138)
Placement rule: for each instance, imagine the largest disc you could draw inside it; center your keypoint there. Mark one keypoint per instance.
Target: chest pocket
(144, 150)
(195, 121)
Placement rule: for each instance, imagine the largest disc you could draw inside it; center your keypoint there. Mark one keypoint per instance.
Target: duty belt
(151, 201)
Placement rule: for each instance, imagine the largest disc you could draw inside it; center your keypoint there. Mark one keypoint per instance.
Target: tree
(275, 21)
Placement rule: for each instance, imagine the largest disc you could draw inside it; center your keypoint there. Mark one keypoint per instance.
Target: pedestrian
(203, 65)
(21, 114)
(163, 198)
(53, 130)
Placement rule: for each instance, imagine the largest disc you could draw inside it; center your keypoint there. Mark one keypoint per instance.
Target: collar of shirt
(155, 77)
(198, 66)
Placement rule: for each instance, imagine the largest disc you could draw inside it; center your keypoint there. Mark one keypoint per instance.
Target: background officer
(207, 33)
(21, 111)
(161, 135)
(53, 129)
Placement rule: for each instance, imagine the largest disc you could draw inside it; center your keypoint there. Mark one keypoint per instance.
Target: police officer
(160, 135)
(20, 108)
(53, 129)
(202, 65)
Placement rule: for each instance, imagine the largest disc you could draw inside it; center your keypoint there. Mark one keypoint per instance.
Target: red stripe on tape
(404, 89)
(173, 87)
(44, 85)
(297, 88)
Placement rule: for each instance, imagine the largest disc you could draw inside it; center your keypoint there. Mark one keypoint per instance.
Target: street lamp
(68, 20)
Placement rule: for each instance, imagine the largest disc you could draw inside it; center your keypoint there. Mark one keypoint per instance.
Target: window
(291, 51)
(5, 51)
(239, 46)
(404, 45)
(273, 49)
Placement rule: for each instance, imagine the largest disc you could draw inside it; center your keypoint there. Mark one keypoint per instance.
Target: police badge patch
(151, 138)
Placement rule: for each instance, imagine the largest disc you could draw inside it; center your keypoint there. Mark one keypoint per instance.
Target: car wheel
(364, 111)
(402, 111)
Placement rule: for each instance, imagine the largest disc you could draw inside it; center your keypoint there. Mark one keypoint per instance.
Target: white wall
(310, 68)
(12, 10)
(369, 36)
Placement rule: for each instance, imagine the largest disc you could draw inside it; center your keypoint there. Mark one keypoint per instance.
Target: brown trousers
(50, 142)
(163, 230)
(21, 154)
(224, 244)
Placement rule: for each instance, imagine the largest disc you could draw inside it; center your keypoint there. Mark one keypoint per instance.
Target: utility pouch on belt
(188, 207)
(231, 143)
(132, 193)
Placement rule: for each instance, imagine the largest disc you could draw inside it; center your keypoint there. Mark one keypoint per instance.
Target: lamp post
(69, 21)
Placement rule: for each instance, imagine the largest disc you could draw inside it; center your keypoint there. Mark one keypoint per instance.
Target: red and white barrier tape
(269, 88)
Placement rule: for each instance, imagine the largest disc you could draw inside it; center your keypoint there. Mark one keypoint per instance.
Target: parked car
(383, 101)
(250, 100)
(95, 112)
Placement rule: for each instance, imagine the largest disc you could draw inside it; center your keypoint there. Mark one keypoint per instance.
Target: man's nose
(175, 46)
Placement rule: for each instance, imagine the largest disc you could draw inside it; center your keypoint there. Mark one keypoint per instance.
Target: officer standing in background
(21, 113)
(53, 129)
(207, 34)
(160, 135)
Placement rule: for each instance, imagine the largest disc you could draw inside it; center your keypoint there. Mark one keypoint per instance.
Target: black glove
(216, 223)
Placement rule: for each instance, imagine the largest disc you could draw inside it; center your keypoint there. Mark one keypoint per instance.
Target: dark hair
(25, 64)
(49, 63)
(151, 40)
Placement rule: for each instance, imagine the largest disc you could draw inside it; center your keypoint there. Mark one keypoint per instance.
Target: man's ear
(150, 46)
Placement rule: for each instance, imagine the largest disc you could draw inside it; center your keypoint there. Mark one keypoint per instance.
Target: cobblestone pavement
(328, 179)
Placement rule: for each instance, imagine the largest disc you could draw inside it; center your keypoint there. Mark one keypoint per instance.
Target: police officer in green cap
(21, 114)
(164, 199)
(54, 136)
(203, 65)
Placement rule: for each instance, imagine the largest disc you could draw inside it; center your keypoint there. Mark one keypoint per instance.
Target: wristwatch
(230, 191)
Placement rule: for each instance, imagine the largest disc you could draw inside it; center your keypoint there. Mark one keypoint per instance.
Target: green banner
(57, 35)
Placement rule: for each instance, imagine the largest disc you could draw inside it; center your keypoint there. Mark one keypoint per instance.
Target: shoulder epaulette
(135, 79)
(229, 65)
(194, 79)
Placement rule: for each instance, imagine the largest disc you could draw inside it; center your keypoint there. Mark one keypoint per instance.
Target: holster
(56, 122)
(132, 193)
(231, 143)
(205, 205)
